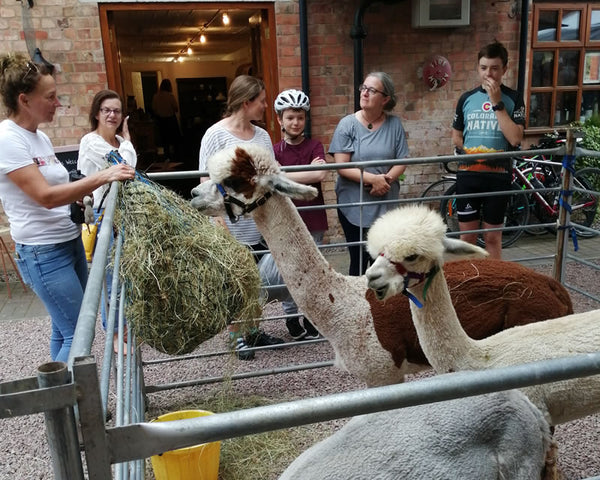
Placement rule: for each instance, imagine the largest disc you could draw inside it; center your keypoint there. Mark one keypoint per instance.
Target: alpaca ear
(283, 185)
(455, 249)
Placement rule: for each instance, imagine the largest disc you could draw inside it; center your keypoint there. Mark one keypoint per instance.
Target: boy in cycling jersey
(489, 118)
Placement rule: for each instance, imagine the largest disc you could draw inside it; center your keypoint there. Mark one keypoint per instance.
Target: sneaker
(296, 330)
(311, 331)
(259, 338)
(241, 349)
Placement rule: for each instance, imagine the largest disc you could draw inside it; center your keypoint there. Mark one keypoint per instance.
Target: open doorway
(200, 48)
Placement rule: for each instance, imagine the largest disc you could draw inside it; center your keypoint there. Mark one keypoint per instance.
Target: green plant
(591, 141)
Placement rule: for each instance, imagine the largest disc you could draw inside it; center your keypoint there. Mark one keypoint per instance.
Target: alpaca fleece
(488, 296)
(488, 437)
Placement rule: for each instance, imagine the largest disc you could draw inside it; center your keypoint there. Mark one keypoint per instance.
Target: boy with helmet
(291, 107)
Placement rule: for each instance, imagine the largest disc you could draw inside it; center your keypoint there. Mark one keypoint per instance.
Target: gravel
(24, 346)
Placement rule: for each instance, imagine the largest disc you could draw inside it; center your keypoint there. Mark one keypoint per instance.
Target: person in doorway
(246, 102)
(36, 195)
(106, 119)
(164, 107)
(489, 118)
(371, 133)
(291, 107)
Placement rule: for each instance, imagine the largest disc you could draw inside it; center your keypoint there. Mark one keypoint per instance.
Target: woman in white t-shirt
(36, 195)
(106, 119)
(246, 102)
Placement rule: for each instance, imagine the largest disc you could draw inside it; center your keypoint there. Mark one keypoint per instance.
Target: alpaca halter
(228, 200)
(408, 276)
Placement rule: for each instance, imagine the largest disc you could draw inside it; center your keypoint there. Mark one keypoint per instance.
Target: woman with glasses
(36, 195)
(106, 119)
(371, 133)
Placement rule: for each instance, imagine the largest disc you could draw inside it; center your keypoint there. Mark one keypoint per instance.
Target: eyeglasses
(371, 90)
(31, 67)
(107, 111)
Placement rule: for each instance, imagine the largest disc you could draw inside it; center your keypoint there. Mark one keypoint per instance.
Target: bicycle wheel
(517, 215)
(585, 204)
(539, 176)
(436, 189)
(535, 219)
(448, 209)
(538, 214)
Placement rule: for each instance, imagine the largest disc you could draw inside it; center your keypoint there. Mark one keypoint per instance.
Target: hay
(184, 277)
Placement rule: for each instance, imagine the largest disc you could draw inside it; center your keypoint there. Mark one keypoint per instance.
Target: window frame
(583, 45)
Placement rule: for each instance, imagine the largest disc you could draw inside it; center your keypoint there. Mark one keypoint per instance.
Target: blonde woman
(36, 194)
(246, 102)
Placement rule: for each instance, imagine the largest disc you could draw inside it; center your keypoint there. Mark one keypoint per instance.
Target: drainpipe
(523, 46)
(304, 59)
(358, 33)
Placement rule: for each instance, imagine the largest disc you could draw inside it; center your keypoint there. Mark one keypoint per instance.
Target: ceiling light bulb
(180, 59)
(225, 19)
(189, 50)
(202, 39)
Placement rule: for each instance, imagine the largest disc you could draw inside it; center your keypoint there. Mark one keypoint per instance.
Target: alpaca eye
(411, 258)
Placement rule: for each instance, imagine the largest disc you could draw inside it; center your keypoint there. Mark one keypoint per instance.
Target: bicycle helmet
(291, 99)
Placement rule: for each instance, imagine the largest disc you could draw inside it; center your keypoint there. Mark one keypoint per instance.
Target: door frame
(268, 45)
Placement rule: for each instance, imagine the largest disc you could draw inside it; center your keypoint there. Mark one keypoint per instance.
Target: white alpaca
(410, 246)
(332, 301)
(342, 307)
(488, 437)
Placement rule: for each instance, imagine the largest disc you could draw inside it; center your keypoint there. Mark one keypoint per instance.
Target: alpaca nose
(371, 274)
(372, 279)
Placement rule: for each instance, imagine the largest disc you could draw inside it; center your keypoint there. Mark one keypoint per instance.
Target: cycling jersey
(477, 121)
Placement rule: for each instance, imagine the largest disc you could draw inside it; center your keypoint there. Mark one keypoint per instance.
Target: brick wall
(391, 45)
(68, 34)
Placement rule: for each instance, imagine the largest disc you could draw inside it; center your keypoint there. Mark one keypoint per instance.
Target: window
(440, 13)
(565, 64)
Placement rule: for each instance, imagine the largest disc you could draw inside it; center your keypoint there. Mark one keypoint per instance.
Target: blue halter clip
(408, 276)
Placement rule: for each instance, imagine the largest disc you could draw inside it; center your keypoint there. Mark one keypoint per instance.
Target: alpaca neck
(301, 264)
(444, 342)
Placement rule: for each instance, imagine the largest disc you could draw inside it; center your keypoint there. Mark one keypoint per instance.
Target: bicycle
(443, 199)
(537, 173)
(543, 206)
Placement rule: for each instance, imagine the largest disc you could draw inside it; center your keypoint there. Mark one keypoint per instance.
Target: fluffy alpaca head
(409, 243)
(247, 174)
(242, 163)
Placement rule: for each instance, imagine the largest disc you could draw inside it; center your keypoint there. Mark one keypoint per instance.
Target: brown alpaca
(338, 305)
(488, 296)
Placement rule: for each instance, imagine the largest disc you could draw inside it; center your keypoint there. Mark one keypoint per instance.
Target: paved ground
(528, 249)
(23, 440)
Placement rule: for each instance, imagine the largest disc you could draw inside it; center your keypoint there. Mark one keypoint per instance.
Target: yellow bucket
(200, 462)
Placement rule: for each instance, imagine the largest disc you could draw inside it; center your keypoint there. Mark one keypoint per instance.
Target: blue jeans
(57, 273)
